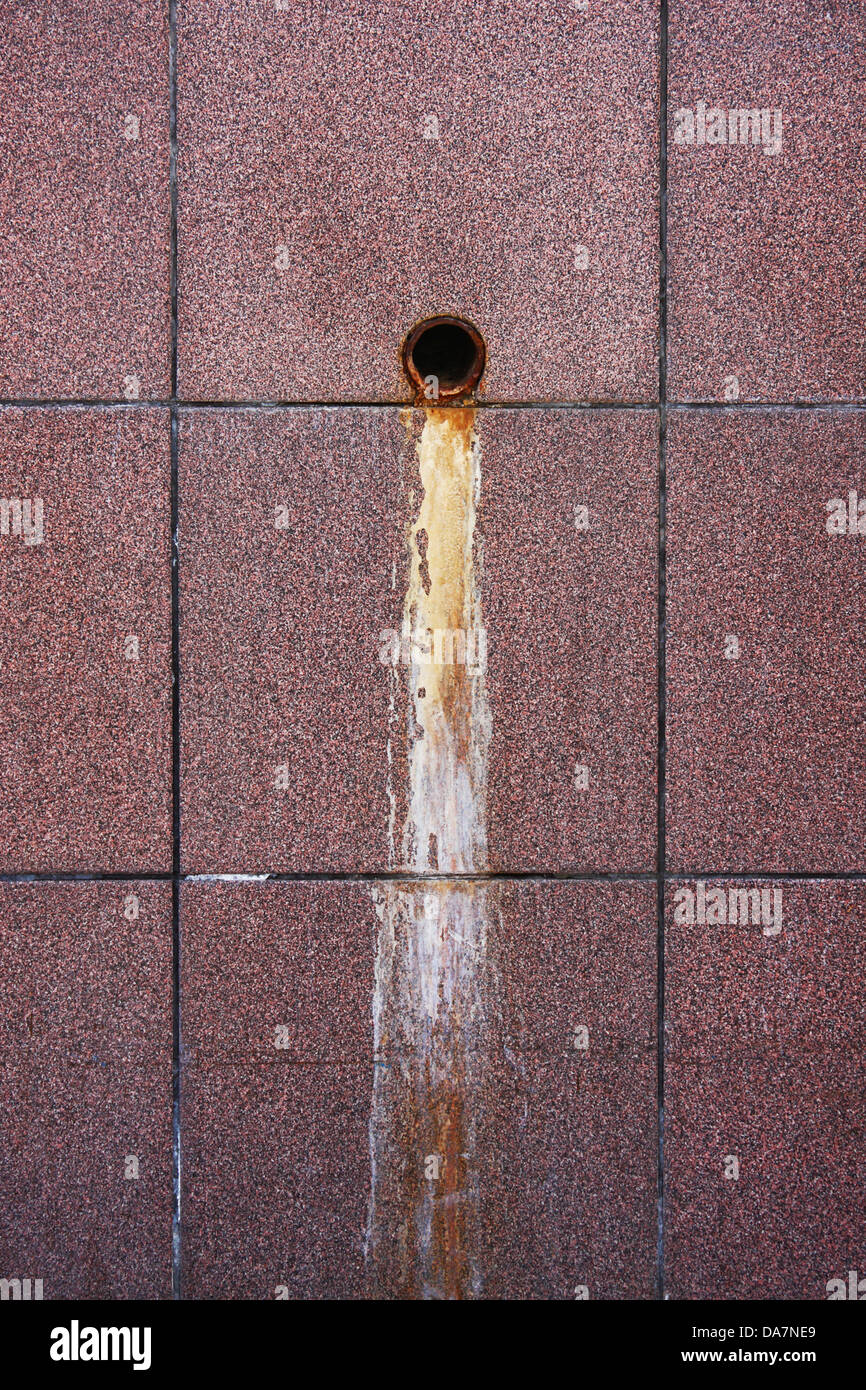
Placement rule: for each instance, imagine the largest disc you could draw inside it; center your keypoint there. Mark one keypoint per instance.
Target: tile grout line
(174, 402)
(175, 674)
(661, 849)
(842, 876)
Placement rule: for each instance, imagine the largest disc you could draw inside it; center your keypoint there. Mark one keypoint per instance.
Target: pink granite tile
(793, 1220)
(281, 637)
(571, 618)
(86, 976)
(764, 1116)
(766, 243)
(570, 1180)
(766, 767)
(70, 1216)
(85, 575)
(85, 1087)
(786, 980)
(84, 201)
(277, 973)
(576, 954)
(376, 165)
(280, 1189)
(275, 1181)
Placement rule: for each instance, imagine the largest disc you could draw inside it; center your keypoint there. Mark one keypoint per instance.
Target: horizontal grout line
(315, 876)
(629, 1051)
(85, 876)
(650, 407)
(731, 407)
(793, 1053)
(166, 403)
(807, 875)
(405, 876)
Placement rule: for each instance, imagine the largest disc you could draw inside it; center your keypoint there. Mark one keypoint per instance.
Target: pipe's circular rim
(469, 378)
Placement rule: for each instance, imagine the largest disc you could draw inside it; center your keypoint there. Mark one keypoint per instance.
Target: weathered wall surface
(464, 795)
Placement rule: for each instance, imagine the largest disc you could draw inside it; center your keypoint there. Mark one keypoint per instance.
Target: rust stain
(431, 997)
(431, 988)
(467, 379)
(442, 615)
(450, 1254)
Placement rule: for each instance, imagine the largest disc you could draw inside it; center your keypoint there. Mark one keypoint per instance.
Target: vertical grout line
(661, 851)
(175, 856)
(175, 671)
(172, 184)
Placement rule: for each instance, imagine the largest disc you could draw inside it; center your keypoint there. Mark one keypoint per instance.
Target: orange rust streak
(450, 569)
(423, 1229)
(446, 518)
(450, 1266)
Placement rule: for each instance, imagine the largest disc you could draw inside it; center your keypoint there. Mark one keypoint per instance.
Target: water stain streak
(432, 987)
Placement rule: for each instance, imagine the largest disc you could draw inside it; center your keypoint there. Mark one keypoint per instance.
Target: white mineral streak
(448, 763)
(431, 980)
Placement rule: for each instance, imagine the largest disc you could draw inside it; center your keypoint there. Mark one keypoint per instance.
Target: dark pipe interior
(448, 349)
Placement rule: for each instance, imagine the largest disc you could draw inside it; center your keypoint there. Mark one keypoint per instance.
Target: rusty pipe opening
(444, 357)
